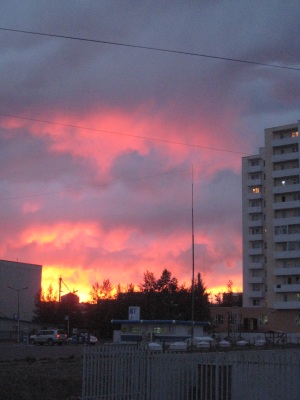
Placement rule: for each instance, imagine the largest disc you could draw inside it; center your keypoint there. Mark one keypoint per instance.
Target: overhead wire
(123, 134)
(164, 50)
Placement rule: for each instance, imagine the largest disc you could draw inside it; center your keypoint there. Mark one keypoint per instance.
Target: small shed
(134, 331)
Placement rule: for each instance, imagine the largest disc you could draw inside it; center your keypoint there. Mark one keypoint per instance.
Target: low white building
(19, 284)
(157, 330)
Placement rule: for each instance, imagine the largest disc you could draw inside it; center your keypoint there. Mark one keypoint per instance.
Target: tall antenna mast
(193, 259)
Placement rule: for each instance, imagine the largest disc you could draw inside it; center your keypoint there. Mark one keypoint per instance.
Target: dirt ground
(41, 379)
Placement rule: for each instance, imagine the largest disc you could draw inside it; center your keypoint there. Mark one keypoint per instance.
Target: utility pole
(59, 288)
(18, 310)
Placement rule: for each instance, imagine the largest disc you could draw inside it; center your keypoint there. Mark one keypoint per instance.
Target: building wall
(18, 276)
(271, 222)
(236, 320)
(253, 230)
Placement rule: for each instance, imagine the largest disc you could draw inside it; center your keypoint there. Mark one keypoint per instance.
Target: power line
(123, 134)
(186, 53)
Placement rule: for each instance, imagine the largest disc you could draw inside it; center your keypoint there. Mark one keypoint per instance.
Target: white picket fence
(128, 373)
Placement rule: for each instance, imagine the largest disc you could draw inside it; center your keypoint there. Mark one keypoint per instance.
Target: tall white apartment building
(271, 222)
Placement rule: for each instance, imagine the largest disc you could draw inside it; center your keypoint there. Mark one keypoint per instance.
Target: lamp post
(18, 315)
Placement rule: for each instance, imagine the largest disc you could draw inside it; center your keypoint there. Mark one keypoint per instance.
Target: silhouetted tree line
(161, 298)
(228, 298)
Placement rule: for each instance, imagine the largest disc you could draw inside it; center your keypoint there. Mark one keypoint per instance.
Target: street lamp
(18, 315)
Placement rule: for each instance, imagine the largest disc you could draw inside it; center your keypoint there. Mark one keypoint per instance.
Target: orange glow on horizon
(82, 286)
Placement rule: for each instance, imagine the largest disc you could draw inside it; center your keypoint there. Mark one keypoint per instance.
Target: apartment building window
(297, 296)
(293, 181)
(255, 203)
(281, 230)
(255, 231)
(297, 319)
(254, 163)
(294, 229)
(295, 134)
(285, 298)
(294, 246)
(256, 259)
(263, 320)
(254, 176)
(219, 319)
(256, 245)
(255, 273)
(256, 302)
(256, 190)
(283, 246)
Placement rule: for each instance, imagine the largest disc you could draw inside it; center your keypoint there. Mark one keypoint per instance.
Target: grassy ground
(47, 379)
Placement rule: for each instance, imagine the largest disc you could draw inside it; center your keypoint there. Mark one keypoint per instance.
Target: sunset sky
(98, 141)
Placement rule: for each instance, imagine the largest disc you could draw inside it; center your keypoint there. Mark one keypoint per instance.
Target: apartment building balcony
(286, 188)
(285, 221)
(285, 157)
(292, 237)
(287, 288)
(278, 255)
(255, 238)
(284, 173)
(256, 279)
(255, 223)
(255, 252)
(254, 168)
(254, 196)
(255, 265)
(254, 210)
(287, 305)
(256, 294)
(285, 205)
(284, 141)
(287, 271)
(254, 182)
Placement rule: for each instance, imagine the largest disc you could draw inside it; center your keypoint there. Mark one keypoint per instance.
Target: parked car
(50, 337)
(82, 338)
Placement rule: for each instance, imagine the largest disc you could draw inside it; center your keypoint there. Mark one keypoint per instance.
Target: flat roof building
(19, 284)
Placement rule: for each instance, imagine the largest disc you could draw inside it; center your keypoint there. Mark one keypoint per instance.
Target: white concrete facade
(271, 222)
(19, 283)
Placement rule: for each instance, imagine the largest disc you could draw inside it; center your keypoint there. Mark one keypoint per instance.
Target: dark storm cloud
(29, 160)
(72, 74)
(123, 202)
